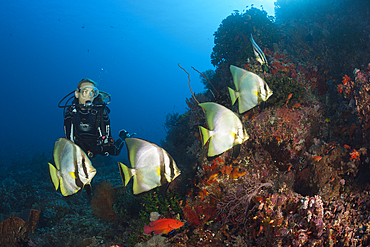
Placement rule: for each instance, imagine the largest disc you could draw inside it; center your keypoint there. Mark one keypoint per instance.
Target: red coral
(226, 169)
(346, 79)
(347, 86)
(355, 155)
(276, 65)
(293, 73)
(279, 56)
(340, 88)
(274, 71)
(199, 214)
(190, 215)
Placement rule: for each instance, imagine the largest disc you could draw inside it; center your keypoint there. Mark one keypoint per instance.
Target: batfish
(226, 129)
(73, 168)
(251, 89)
(151, 166)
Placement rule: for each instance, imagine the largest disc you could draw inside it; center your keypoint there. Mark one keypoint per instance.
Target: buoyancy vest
(89, 124)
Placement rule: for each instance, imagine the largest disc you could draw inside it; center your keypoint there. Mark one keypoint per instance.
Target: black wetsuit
(89, 128)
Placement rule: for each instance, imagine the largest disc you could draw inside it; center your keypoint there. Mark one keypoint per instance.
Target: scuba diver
(87, 123)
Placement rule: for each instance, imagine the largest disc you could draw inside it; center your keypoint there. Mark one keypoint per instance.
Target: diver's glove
(123, 134)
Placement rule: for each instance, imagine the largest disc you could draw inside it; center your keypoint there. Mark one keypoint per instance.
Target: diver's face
(83, 97)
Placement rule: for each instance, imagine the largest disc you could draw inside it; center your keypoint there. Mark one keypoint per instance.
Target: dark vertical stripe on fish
(84, 166)
(162, 166)
(78, 181)
(171, 167)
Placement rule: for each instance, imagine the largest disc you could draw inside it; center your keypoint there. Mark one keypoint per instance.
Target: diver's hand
(132, 134)
(123, 134)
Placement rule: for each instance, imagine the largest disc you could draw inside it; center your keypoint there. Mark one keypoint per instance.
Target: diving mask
(89, 92)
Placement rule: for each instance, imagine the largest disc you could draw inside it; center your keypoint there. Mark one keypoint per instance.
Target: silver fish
(151, 166)
(225, 129)
(73, 168)
(250, 89)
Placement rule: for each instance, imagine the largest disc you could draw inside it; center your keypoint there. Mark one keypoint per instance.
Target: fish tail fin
(54, 176)
(204, 133)
(232, 95)
(125, 172)
(147, 229)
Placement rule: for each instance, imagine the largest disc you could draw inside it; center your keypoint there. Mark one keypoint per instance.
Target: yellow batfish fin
(126, 173)
(233, 96)
(204, 133)
(54, 176)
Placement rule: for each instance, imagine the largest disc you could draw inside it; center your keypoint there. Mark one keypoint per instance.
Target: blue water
(131, 48)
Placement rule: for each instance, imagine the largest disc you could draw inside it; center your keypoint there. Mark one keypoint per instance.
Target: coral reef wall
(306, 157)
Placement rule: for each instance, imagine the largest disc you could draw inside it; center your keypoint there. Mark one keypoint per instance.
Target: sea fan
(103, 200)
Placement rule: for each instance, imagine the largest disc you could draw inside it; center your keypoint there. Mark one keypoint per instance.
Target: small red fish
(162, 226)
(317, 158)
(346, 146)
(289, 96)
